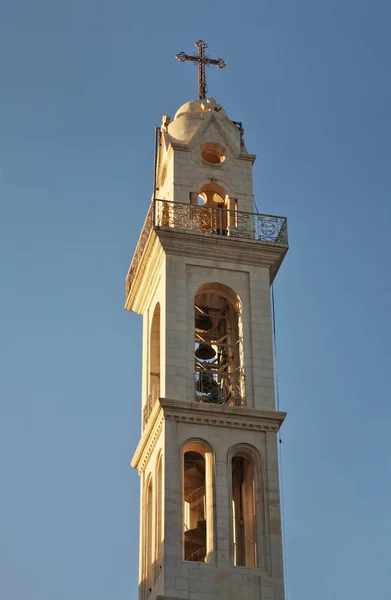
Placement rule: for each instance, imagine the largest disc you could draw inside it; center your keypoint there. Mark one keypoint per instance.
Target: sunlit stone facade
(210, 525)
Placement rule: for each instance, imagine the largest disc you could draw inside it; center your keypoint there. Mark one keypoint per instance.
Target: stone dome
(191, 115)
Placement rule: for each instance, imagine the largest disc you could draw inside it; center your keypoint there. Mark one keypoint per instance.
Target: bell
(203, 322)
(205, 352)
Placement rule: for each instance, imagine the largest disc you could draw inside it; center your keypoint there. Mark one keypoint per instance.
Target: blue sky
(83, 84)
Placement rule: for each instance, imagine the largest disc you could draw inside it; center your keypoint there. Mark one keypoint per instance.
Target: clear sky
(83, 84)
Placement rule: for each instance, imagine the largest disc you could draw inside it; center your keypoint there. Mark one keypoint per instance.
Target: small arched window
(198, 503)
(218, 348)
(214, 211)
(213, 153)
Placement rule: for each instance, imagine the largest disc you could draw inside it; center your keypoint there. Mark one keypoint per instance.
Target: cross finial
(202, 60)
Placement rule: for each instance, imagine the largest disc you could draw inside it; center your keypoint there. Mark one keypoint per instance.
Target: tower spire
(202, 60)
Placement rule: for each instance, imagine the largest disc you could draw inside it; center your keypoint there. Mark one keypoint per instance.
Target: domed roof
(199, 106)
(191, 115)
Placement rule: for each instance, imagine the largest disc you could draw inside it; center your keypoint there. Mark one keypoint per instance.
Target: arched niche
(249, 522)
(218, 346)
(159, 518)
(197, 501)
(148, 537)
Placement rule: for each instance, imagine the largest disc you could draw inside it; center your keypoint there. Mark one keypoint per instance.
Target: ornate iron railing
(165, 214)
(219, 387)
(206, 219)
(140, 248)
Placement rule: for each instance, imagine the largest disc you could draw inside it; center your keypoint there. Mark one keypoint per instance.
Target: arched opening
(243, 512)
(159, 517)
(201, 199)
(215, 212)
(218, 353)
(154, 357)
(194, 506)
(148, 537)
(197, 503)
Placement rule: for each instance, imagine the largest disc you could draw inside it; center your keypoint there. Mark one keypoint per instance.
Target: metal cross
(202, 60)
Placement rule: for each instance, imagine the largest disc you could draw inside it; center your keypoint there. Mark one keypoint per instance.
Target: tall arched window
(198, 502)
(218, 348)
(148, 564)
(243, 512)
(154, 356)
(249, 522)
(159, 517)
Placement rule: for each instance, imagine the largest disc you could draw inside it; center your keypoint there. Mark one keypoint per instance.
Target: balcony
(175, 216)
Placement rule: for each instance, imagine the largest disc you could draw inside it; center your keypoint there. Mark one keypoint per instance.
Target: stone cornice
(198, 413)
(147, 271)
(198, 245)
(219, 415)
(247, 156)
(149, 438)
(179, 146)
(227, 248)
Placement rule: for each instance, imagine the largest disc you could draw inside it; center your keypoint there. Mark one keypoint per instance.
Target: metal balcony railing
(165, 214)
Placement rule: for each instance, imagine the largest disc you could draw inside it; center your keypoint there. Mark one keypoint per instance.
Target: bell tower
(210, 525)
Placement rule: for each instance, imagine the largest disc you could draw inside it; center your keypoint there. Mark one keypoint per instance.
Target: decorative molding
(247, 156)
(148, 439)
(228, 249)
(198, 245)
(199, 413)
(211, 117)
(155, 242)
(178, 146)
(231, 423)
(146, 274)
